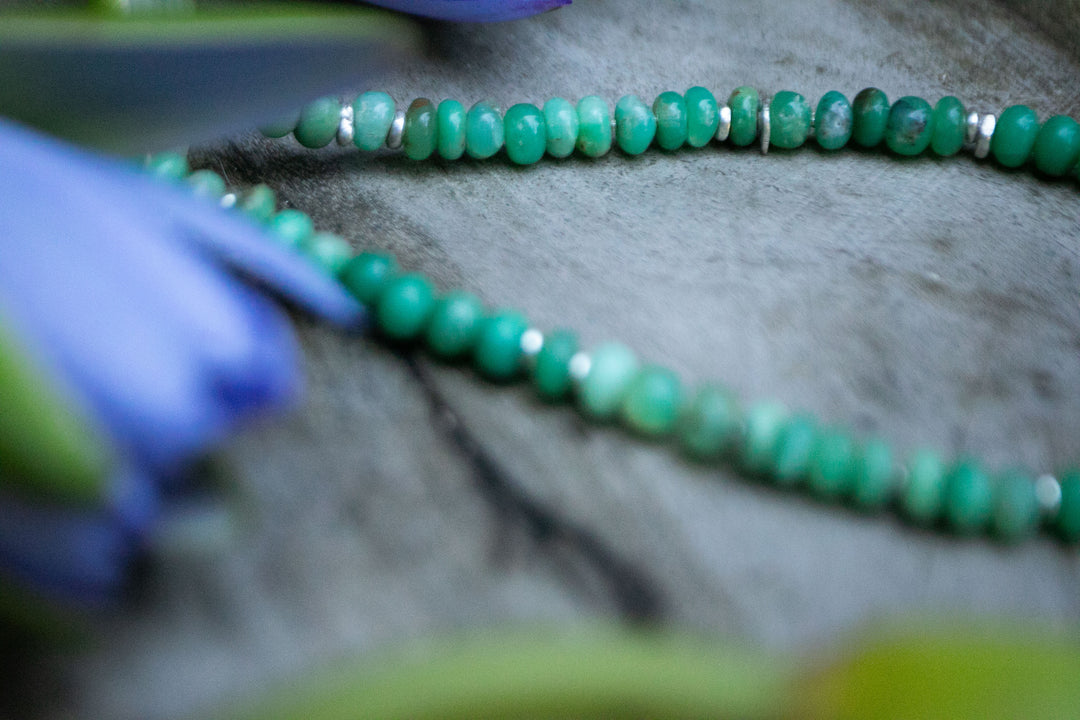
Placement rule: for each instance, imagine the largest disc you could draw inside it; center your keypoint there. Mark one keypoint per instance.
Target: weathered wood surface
(932, 302)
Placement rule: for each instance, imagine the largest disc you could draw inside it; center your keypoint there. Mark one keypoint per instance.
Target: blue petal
(472, 10)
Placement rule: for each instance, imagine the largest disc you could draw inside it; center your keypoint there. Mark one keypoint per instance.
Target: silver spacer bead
(532, 341)
(724, 128)
(396, 136)
(614, 128)
(228, 200)
(764, 126)
(811, 133)
(971, 128)
(1048, 493)
(345, 129)
(580, 365)
(986, 131)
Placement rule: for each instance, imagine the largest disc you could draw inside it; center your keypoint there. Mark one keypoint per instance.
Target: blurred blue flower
(472, 10)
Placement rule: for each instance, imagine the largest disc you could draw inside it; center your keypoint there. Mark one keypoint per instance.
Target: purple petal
(472, 10)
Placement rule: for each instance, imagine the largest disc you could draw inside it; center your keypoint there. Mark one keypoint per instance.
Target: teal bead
(652, 401)
(949, 127)
(451, 129)
(291, 227)
(328, 251)
(745, 104)
(635, 125)
(671, 120)
(318, 123)
(1016, 509)
(1014, 136)
(526, 134)
(404, 306)
(833, 121)
(833, 465)
(710, 423)
(789, 118)
(420, 137)
(1067, 520)
(561, 120)
(702, 116)
(168, 166)
(910, 126)
(873, 476)
(924, 489)
(367, 275)
(483, 131)
(764, 424)
(258, 203)
(551, 368)
(498, 346)
(793, 452)
(373, 114)
(594, 126)
(280, 127)
(968, 498)
(206, 184)
(601, 392)
(870, 110)
(1057, 146)
(454, 324)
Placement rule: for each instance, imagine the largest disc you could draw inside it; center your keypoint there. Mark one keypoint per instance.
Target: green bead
(710, 423)
(561, 120)
(873, 476)
(318, 123)
(206, 184)
(745, 104)
(259, 203)
(1016, 510)
(594, 126)
(526, 135)
(455, 324)
(652, 401)
(794, 449)
(949, 127)
(1067, 520)
(483, 131)
(1057, 146)
(404, 306)
(329, 252)
(291, 227)
(373, 114)
(281, 126)
(635, 125)
(498, 346)
(612, 368)
(1014, 136)
(833, 465)
(451, 131)
(789, 120)
(765, 422)
(969, 498)
(421, 130)
(910, 126)
(551, 369)
(871, 112)
(671, 121)
(924, 490)
(833, 121)
(367, 275)
(168, 166)
(702, 116)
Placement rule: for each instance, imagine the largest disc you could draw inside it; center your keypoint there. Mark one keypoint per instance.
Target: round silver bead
(986, 131)
(228, 200)
(764, 126)
(971, 128)
(532, 341)
(396, 136)
(346, 128)
(579, 367)
(1048, 493)
(723, 130)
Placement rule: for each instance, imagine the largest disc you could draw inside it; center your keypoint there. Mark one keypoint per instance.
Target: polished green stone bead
(789, 119)
(949, 127)
(404, 306)
(318, 123)
(551, 368)
(833, 121)
(330, 252)
(635, 125)
(968, 498)
(833, 465)
(745, 104)
(924, 489)
(764, 424)
(794, 449)
(258, 203)
(702, 116)
(280, 127)
(168, 166)
(526, 134)
(451, 129)
(1057, 146)
(483, 131)
(206, 184)
(1016, 510)
(373, 114)
(367, 275)
(870, 110)
(561, 120)
(710, 423)
(671, 120)
(291, 227)
(652, 401)
(1067, 520)
(454, 324)
(421, 135)
(910, 126)
(498, 345)
(601, 391)
(873, 476)
(594, 126)
(1014, 136)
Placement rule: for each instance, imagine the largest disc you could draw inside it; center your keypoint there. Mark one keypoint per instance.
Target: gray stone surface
(931, 302)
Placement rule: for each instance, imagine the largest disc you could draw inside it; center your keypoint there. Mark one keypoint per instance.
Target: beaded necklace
(608, 383)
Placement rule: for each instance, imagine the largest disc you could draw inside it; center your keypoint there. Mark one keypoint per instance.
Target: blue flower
(472, 10)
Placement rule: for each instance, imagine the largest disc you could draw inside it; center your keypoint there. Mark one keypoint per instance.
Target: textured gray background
(932, 302)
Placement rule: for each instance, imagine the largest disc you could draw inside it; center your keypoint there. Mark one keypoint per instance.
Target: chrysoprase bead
(764, 422)
(451, 129)
(794, 448)
(745, 104)
(1016, 508)
(318, 123)
(949, 127)
(635, 125)
(1067, 521)
(291, 227)
(924, 488)
(612, 369)
(404, 306)
(206, 184)
(910, 126)
(968, 498)
(498, 345)
(702, 116)
(561, 120)
(551, 368)
(789, 118)
(1014, 136)
(671, 127)
(168, 165)
(594, 126)
(280, 127)
(1057, 146)
(833, 465)
(367, 275)
(454, 324)
(373, 114)
(710, 423)
(421, 130)
(483, 131)
(526, 134)
(870, 111)
(328, 251)
(652, 402)
(258, 203)
(873, 476)
(833, 121)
